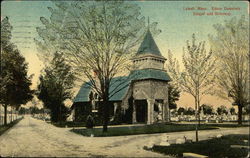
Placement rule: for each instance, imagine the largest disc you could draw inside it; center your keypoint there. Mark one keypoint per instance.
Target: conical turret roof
(148, 46)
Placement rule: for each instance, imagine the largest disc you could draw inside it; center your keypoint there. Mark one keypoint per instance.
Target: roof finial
(148, 22)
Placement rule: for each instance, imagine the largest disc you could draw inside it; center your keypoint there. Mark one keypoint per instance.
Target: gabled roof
(148, 46)
(120, 85)
(83, 93)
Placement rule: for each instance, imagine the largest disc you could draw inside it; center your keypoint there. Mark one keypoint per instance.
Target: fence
(10, 117)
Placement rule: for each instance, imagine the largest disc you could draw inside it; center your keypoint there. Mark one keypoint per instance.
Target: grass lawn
(215, 148)
(147, 129)
(8, 126)
(226, 125)
(83, 124)
(68, 124)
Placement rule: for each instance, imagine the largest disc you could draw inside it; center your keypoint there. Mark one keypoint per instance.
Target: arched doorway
(141, 111)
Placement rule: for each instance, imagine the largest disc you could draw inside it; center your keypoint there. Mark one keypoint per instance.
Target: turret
(148, 54)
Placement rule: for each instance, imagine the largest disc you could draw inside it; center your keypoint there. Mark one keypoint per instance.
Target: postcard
(124, 78)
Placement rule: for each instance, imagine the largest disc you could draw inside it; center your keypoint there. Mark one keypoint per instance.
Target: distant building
(142, 96)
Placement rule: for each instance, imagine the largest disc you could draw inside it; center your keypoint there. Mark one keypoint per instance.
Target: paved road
(31, 137)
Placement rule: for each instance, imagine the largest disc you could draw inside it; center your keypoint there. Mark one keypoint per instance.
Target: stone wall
(152, 90)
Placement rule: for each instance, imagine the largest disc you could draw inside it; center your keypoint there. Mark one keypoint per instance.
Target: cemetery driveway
(31, 137)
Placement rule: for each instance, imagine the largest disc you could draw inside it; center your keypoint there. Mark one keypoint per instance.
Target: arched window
(91, 97)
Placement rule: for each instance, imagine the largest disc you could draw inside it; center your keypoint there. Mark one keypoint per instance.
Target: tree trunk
(199, 117)
(60, 115)
(5, 114)
(196, 132)
(169, 114)
(239, 114)
(105, 115)
(199, 110)
(11, 116)
(196, 117)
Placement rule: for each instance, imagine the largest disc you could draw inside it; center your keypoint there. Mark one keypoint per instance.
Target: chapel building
(142, 95)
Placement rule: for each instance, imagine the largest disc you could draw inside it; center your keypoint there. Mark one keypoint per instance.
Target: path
(31, 137)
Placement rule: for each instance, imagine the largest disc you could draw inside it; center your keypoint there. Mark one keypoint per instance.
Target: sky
(175, 19)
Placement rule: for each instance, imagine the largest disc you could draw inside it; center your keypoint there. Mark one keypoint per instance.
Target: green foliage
(36, 110)
(173, 96)
(14, 80)
(55, 86)
(6, 29)
(232, 111)
(185, 111)
(190, 111)
(22, 111)
(15, 83)
(222, 110)
(181, 110)
(207, 109)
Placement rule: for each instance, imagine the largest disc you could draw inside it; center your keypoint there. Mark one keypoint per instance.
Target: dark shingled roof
(120, 85)
(83, 93)
(148, 46)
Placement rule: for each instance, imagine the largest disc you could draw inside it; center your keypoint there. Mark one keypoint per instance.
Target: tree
(56, 83)
(222, 110)
(231, 47)
(181, 110)
(232, 111)
(22, 111)
(34, 110)
(199, 66)
(219, 111)
(225, 110)
(14, 80)
(6, 35)
(190, 111)
(247, 110)
(97, 38)
(197, 77)
(207, 109)
(173, 96)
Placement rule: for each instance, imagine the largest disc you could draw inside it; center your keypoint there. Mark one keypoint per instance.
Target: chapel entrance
(141, 111)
